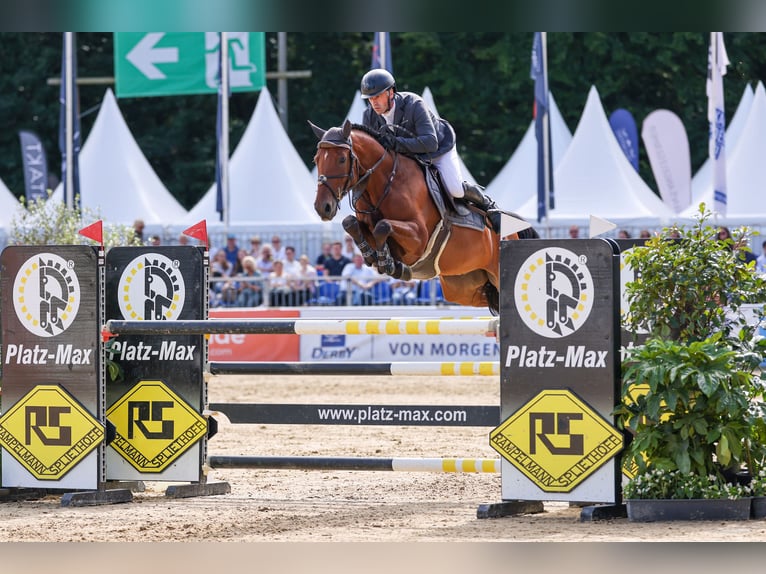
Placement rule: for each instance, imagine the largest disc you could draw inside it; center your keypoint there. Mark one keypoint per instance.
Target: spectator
(155, 240)
(644, 234)
(723, 234)
(349, 248)
(265, 262)
(183, 239)
(359, 281)
(404, 292)
(238, 267)
(324, 256)
(760, 264)
(623, 234)
(250, 293)
(742, 250)
(574, 232)
(305, 281)
(277, 249)
(255, 246)
(138, 230)
(222, 293)
(231, 249)
(335, 264)
(292, 267)
(280, 286)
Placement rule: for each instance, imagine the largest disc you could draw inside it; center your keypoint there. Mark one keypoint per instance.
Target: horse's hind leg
(467, 289)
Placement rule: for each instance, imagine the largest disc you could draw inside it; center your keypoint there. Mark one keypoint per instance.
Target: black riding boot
(475, 194)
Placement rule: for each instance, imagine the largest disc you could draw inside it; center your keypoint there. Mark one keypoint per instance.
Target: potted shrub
(694, 424)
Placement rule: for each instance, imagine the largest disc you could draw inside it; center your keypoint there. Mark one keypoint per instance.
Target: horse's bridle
(354, 180)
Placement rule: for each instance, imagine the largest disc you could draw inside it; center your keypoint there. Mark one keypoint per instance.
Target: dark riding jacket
(418, 131)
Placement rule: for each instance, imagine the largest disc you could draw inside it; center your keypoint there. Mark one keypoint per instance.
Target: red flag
(94, 231)
(198, 231)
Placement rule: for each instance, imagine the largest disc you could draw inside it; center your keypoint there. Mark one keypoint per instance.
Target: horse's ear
(318, 132)
(346, 129)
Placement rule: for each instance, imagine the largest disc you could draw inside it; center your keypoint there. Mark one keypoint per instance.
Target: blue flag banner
(625, 130)
(539, 73)
(35, 167)
(74, 110)
(381, 52)
(717, 63)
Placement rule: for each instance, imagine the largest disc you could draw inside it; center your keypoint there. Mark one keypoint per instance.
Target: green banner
(174, 63)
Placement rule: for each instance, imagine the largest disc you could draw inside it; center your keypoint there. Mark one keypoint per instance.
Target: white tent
(268, 181)
(595, 178)
(517, 181)
(9, 207)
(116, 180)
(745, 170)
(429, 99)
(702, 178)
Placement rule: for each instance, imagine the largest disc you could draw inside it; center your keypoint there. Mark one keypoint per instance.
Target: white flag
(717, 63)
(667, 146)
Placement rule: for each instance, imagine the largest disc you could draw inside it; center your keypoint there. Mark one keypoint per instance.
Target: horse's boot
(475, 194)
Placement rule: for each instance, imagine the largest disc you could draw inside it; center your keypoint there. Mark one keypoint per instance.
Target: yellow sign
(154, 426)
(556, 440)
(49, 432)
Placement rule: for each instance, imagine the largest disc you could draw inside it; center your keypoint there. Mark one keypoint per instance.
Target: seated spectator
(265, 262)
(276, 247)
(255, 246)
(404, 292)
(280, 286)
(349, 248)
(249, 292)
(222, 293)
(291, 263)
(305, 284)
(359, 280)
(322, 257)
(334, 265)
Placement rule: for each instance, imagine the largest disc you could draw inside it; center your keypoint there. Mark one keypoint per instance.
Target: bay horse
(396, 223)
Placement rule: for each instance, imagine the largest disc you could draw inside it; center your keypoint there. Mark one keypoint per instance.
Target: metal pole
(225, 126)
(546, 121)
(282, 81)
(68, 123)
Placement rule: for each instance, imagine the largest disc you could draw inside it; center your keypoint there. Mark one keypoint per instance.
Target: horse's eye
(342, 159)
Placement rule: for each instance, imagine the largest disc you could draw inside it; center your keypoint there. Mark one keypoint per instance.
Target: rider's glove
(387, 140)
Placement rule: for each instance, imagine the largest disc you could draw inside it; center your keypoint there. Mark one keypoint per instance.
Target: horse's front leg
(410, 239)
(362, 236)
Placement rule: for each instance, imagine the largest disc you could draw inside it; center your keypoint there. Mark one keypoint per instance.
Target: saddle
(451, 211)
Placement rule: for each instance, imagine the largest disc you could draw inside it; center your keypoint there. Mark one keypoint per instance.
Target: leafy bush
(53, 223)
(701, 415)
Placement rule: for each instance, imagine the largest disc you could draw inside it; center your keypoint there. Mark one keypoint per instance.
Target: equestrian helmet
(376, 82)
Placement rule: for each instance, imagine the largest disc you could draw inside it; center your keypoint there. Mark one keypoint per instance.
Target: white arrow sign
(510, 225)
(144, 55)
(599, 226)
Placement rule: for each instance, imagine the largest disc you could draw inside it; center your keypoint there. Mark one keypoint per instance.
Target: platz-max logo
(151, 288)
(554, 292)
(46, 294)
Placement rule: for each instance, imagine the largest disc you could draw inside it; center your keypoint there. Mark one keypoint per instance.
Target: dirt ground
(343, 506)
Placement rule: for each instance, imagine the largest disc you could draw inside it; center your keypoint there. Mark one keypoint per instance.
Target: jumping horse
(396, 223)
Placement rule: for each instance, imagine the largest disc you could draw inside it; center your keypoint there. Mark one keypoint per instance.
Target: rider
(417, 131)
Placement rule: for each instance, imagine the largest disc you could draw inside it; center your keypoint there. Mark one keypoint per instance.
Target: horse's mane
(369, 131)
